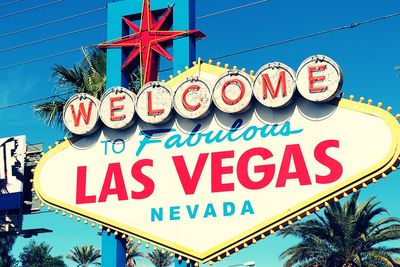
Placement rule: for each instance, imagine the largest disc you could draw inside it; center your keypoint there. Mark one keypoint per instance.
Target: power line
(231, 9)
(52, 22)
(30, 9)
(33, 101)
(53, 37)
(353, 25)
(44, 57)
(10, 3)
(202, 17)
(98, 25)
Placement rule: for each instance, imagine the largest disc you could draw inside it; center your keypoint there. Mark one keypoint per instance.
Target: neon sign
(145, 171)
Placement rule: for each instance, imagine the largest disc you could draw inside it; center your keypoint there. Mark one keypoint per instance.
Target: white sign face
(251, 173)
(81, 114)
(238, 174)
(319, 78)
(117, 108)
(12, 164)
(274, 85)
(192, 98)
(154, 103)
(233, 91)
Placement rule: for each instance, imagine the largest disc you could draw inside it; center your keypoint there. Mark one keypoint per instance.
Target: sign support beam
(114, 249)
(181, 263)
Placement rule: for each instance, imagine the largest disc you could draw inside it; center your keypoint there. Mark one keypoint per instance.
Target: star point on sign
(149, 41)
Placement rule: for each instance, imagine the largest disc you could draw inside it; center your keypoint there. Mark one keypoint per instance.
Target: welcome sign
(210, 153)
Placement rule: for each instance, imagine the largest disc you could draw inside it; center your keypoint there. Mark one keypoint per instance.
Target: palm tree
(347, 236)
(132, 252)
(6, 244)
(39, 255)
(84, 256)
(160, 258)
(88, 76)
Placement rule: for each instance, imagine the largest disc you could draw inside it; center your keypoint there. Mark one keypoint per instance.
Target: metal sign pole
(114, 249)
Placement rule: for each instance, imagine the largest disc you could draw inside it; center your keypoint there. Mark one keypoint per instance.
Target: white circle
(154, 103)
(233, 86)
(267, 79)
(319, 78)
(117, 107)
(192, 98)
(81, 114)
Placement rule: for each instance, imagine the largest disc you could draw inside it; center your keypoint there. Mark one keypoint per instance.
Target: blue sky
(367, 54)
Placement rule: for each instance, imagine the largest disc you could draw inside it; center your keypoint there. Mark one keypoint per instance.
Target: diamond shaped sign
(209, 186)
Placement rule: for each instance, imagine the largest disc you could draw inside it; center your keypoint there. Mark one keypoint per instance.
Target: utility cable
(231, 9)
(96, 26)
(201, 17)
(45, 57)
(34, 100)
(353, 25)
(10, 3)
(53, 37)
(30, 9)
(52, 22)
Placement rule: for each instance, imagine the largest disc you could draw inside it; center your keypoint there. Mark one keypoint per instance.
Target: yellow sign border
(268, 227)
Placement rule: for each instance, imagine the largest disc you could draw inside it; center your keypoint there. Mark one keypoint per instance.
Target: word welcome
(318, 79)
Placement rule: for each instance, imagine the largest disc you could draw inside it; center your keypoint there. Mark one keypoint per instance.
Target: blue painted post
(113, 248)
(181, 263)
(184, 19)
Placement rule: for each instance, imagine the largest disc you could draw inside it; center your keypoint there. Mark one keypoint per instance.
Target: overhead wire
(88, 46)
(100, 25)
(30, 9)
(353, 25)
(52, 22)
(231, 9)
(297, 38)
(34, 100)
(345, 27)
(45, 57)
(53, 37)
(10, 3)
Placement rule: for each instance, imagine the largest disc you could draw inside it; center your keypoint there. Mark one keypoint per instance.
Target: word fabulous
(318, 79)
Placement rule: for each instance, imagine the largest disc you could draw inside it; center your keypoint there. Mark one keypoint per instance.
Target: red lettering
(81, 197)
(243, 168)
(114, 108)
(187, 106)
(113, 171)
(189, 184)
(138, 175)
(268, 87)
(217, 170)
(336, 169)
(225, 98)
(81, 113)
(312, 79)
(300, 173)
(150, 110)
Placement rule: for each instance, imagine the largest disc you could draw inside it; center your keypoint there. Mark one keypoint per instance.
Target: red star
(150, 40)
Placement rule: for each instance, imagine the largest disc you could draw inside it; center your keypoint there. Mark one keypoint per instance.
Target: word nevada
(318, 79)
